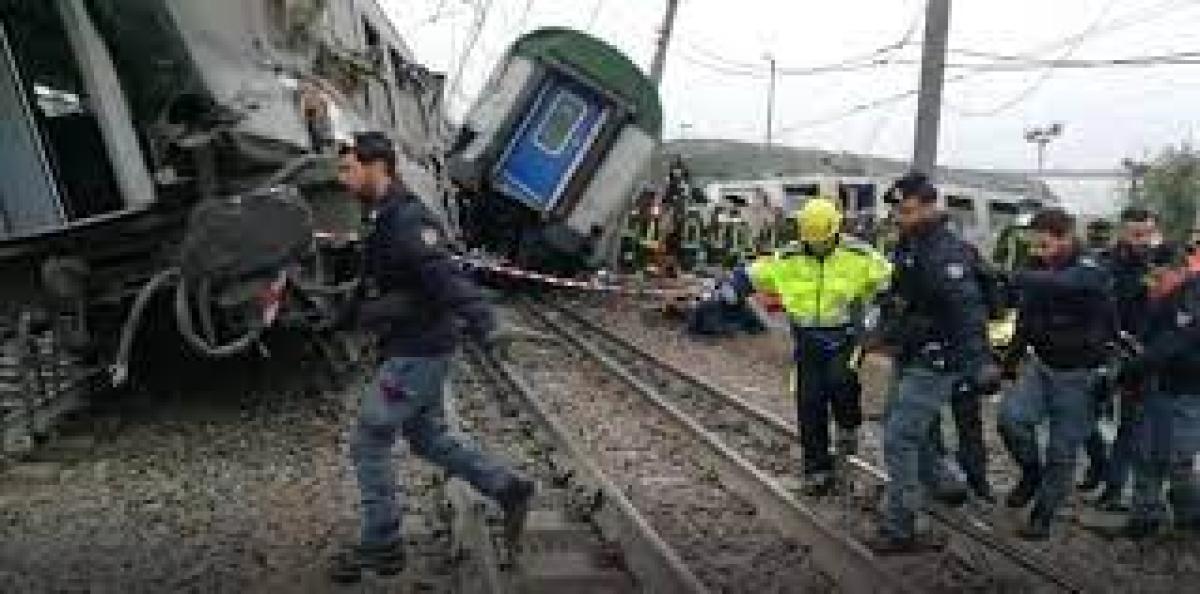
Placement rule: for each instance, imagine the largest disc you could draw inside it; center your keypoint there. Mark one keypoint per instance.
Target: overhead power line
(1046, 74)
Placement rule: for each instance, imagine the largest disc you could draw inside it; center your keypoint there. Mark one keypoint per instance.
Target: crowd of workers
(1102, 329)
(1092, 321)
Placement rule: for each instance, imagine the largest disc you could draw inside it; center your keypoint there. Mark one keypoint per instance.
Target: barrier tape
(503, 268)
(596, 285)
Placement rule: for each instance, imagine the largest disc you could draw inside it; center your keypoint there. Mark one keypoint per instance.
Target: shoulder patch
(956, 270)
(430, 236)
(1089, 262)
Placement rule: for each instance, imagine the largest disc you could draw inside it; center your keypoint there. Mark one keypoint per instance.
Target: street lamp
(1042, 137)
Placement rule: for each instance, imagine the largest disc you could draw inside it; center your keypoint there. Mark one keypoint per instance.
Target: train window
(277, 20)
(562, 120)
(63, 115)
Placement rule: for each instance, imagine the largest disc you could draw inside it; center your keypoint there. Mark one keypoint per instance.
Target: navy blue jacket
(935, 312)
(413, 294)
(1172, 340)
(1068, 315)
(1129, 270)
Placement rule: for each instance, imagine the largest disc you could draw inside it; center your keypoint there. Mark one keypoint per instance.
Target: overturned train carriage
(548, 157)
(171, 158)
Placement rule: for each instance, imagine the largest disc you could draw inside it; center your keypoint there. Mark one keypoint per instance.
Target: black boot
(514, 500)
(1110, 500)
(347, 566)
(1023, 493)
(818, 484)
(1139, 529)
(1091, 479)
(982, 489)
(1038, 527)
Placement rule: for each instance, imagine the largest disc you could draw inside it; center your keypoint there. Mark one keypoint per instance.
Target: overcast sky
(1109, 113)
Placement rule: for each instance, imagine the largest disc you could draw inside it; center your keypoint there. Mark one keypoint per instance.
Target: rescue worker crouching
(1169, 432)
(1066, 325)
(935, 320)
(825, 287)
(411, 297)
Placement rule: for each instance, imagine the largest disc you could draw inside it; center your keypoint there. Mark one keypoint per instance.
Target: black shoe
(1140, 529)
(1038, 527)
(1110, 500)
(818, 484)
(1023, 493)
(1092, 478)
(386, 560)
(982, 490)
(514, 500)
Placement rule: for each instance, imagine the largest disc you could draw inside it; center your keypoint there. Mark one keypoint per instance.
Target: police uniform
(412, 298)
(1067, 323)
(1130, 267)
(936, 320)
(1170, 431)
(825, 298)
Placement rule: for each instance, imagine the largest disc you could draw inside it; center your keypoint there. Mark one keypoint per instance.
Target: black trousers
(825, 382)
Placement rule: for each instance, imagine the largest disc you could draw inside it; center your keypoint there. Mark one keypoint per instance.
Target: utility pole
(1137, 170)
(771, 103)
(656, 75)
(933, 78)
(664, 41)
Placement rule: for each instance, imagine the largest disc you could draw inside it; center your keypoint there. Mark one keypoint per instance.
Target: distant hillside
(710, 160)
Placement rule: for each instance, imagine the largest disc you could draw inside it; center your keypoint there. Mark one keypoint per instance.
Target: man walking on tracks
(1066, 324)
(825, 287)
(935, 321)
(411, 297)
(1169, 433)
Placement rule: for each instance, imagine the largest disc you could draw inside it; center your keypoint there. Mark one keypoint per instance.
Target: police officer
(1066, 323)
(935, 322)
(1012, 245)
(1129, 262)
(1169, 434)
(825, 287)
(411, 297)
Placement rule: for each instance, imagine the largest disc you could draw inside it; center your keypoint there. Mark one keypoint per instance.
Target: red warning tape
(595, 284)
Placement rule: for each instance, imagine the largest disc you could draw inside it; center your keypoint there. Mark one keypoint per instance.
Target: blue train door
(550, 143)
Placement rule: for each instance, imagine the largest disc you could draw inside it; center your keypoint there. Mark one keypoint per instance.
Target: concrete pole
(664, 41)
(771, 104)
(933, 71)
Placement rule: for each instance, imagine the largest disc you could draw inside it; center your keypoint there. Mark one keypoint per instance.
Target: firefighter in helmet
(825, 285)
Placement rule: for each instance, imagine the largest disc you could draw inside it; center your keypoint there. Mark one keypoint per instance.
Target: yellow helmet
(819, 220)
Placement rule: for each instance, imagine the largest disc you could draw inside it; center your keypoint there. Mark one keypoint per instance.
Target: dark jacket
(413, 293)
(935, 313)
(1129, 268)
(1067, 315)
(1172, 340)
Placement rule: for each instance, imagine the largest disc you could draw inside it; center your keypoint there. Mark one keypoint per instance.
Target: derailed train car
(175, 151)
(548, 157)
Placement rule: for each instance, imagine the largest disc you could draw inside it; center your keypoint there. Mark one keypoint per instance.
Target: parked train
(176, 152)
(548, 157)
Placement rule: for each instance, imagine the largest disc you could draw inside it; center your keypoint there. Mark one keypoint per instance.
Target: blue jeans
(1067, 399)
(909, 452)
(407, 399)
(1120, 458)
(1168, 444)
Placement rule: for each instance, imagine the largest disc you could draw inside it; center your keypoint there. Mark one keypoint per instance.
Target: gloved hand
(987, 379)
(499, 342)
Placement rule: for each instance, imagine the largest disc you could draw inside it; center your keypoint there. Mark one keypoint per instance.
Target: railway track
(583, 535)
(978, 556)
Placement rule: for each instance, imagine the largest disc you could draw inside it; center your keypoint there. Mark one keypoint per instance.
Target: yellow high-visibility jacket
(824, 292)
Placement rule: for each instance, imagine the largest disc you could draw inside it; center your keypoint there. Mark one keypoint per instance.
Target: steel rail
(848, 562)
(656, 565)
(970, 526)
